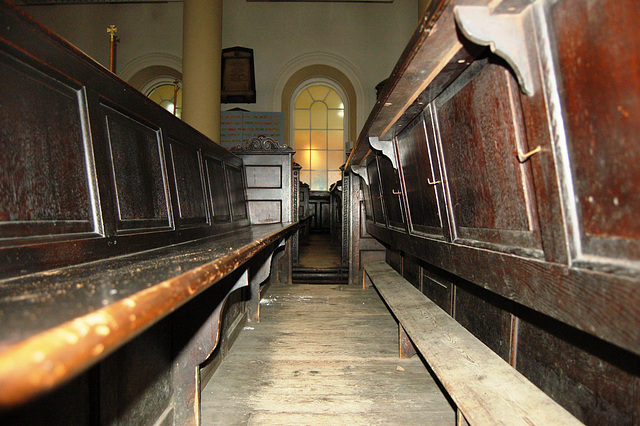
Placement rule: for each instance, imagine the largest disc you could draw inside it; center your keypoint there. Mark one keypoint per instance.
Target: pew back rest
(91, 167)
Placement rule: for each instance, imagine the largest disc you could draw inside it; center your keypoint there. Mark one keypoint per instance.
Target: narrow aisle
(322, 354)
(320, 252)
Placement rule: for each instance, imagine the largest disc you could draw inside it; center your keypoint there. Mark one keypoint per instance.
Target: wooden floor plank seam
(322, 354)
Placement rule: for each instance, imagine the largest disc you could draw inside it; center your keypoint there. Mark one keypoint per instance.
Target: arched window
(168, 96)
(319, 134)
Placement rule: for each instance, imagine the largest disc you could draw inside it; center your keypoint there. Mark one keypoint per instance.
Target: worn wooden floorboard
(486, 389)
(322, 354)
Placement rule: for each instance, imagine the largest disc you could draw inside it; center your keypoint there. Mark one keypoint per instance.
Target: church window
(319, 135)
(168, 96)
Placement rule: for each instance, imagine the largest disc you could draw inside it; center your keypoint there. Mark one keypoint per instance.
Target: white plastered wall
(363, 40)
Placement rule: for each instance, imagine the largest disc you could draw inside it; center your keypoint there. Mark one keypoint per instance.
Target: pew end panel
(272, 185)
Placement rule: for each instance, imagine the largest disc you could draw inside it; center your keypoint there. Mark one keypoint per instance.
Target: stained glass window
(319, 128)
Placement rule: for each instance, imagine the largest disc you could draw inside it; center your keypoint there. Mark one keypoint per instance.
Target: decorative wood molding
(361, 171)
(346, 193)
(507, 33)
(261, 143)
(387, 149)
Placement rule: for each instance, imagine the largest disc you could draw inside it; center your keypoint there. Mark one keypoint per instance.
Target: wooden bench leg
(257, 278)
(281, 264)
(366, 281)
(406, 348)
(186, 374)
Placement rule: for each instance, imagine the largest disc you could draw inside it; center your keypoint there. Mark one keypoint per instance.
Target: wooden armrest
(486, 389)
(57, 323)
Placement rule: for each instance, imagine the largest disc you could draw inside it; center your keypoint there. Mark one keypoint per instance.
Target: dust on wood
(322, 355)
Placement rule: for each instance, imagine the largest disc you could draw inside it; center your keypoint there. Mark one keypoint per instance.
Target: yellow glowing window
(169, 97)
(319, 132)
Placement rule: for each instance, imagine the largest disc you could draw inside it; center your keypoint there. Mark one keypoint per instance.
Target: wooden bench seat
(485, 388)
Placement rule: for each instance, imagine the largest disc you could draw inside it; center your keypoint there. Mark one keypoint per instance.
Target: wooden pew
(497, 169)
(124, 235)
(335, 211)
(304, 212)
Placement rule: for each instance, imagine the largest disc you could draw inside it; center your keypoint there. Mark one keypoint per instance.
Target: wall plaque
(238, 76)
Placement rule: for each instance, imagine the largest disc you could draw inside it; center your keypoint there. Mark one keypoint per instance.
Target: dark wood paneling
(218, 187)
(44, 186)
(313, 207)
(480, 127)
(325, 215)
(71, 404)
(62, 115)
(391, 193)
(144, 387)
(575, 199)
(602, 121)
(483, 314)
(420, 170)
(187, 173)
(437, 285)
(264, 176)
(83, 157)
(366, 195)
(237, 192)
(597, 382)
(319, 204)
(265, 211)
(362, 246)
(138, 173)
(375, 191)
(542, 286)
(411, 270)
(393, 257)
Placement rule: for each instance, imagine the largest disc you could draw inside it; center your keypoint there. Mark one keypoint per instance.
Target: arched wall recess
(386, 147)
(149, 78)
(507, 32)
(325, 65)
(149, 60)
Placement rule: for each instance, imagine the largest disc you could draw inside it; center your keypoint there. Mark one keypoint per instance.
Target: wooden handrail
(58, 323)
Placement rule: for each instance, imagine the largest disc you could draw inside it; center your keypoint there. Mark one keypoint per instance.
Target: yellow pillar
(201, 63)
